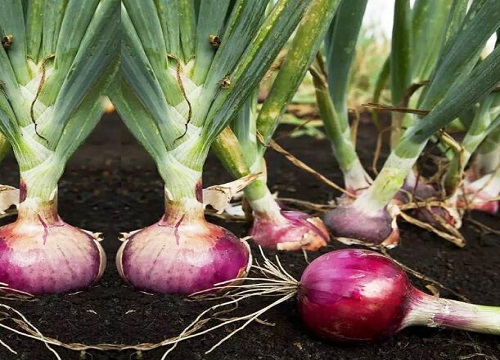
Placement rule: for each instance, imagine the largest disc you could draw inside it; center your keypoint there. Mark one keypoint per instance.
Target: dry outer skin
(112, 186)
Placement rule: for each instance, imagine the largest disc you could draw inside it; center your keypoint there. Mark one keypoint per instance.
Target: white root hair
(275, 281)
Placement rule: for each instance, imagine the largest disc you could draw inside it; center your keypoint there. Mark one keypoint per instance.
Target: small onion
(480, 194)
(351, 225)
(417, 190)
(290, 230)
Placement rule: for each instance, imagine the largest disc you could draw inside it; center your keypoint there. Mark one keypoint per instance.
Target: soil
(111, 185)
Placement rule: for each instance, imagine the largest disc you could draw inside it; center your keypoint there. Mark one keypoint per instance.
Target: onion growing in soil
(40, 253)
(176, 93)
(445, 97)
(288, 230)
(241, 146)
(182, 253)
(53, 76)
(352, 295)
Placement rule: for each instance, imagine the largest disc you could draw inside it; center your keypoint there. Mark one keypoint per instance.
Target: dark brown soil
(112, 186)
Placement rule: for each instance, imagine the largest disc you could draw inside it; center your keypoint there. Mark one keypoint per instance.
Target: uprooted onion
(362, 295)
(352, 295)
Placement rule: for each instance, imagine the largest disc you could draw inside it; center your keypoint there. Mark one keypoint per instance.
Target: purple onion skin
(41, 257)
(434, 215)
(346, 221)
(295, 230)
(416, 191)
(182, 257)
(354, 295)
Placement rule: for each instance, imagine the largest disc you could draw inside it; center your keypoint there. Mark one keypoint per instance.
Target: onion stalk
(52, 78)
(4, 147)
(184, 76)
(486, 120)
(241, 152)
(331, 94)
(332, 88)
(419, 41)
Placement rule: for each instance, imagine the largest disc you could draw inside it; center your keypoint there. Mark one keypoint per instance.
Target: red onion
(358, 295)
(351, 225)
(349, 295)
(182, 253)
(40, 253)
(289, 230)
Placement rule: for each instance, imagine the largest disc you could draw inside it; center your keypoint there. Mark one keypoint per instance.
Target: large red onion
(359, 295)
(351, 295)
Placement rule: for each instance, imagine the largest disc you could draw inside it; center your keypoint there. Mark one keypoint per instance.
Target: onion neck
(431, 311)
(183, 204)
(36, 208)
(189, 210)
(261, 200)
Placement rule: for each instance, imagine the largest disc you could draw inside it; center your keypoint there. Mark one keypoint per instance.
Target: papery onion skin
(353, 295)
(183, 258)
(292, 230)
(415, 190)
(41, 258)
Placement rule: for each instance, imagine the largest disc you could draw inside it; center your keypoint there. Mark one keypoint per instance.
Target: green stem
(355, 176)
(182, 174)
(400, 64)
(473, 138)
(12, 20)
(303, 49)
(229, 152)
(34, 29)
(488, 155)
(340, 46)
(261, 200)
(463, 49)
(40, 182)
(188, 28)
(391, 177)
(240, 157)
(380, 85)
(211, 24)
(257, 58)
(429, 19)
(4, 147)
